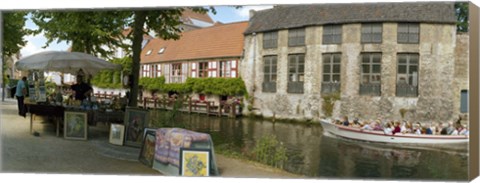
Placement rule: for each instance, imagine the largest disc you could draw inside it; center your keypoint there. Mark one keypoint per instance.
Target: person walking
(20, 93)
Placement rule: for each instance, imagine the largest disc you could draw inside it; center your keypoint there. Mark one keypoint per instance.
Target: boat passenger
(450, 128)
(409, 127)
(377, 126)
(356, 124)
(367, 126)
(345, 121)
(388, 129)
(428, 130)
(397, 128)
(439, 128)
(417, 130)
(464, 130)
(444, 130)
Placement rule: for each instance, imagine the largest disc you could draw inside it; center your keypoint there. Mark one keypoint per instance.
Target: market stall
(57, 105)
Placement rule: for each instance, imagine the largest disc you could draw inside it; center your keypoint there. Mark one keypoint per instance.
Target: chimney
(251, 13)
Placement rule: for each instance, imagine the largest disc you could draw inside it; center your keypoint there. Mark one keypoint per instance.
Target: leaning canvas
(75, 125)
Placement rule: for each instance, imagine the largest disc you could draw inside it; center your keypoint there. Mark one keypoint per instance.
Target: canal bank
(25, 153)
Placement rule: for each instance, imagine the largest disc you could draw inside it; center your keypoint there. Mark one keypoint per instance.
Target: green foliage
(461, 12)
(112, 79)
(13, 31)
(329, 102)
(89, 31)
(270, 151)
(215, 86)
(152, 84)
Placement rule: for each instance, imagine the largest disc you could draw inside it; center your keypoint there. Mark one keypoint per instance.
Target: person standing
(20, 93)
(82, 89)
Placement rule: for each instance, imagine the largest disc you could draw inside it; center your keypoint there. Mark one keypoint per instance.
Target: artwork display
(170, 141)
(148, 147)
(75, 125)
(135, 121)
(194, 162)
(117, 132)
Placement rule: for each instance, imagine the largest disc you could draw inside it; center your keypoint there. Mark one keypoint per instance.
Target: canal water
(313, 153)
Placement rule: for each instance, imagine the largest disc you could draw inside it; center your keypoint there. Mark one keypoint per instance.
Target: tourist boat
(399, 138)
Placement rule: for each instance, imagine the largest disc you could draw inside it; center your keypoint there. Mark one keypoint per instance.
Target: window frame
(329, 59)
(203, 69)
(373, 85)
(368, 33)
(296, 37)
(270, 77)
(409, 33)
(332, 34)
(270, 40)
(410, 86)
(297, 61)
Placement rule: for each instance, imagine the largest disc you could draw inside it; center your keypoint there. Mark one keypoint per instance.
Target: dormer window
(149, 52)
(161, 50)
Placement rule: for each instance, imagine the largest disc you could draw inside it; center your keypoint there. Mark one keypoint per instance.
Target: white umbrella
(66, 62)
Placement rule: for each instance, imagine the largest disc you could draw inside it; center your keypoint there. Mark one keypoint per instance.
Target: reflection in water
(311, 153)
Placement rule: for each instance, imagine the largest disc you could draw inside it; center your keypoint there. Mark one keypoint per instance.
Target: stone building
(380, 58)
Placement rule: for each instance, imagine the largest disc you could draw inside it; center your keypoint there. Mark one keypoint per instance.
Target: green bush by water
(268, 150)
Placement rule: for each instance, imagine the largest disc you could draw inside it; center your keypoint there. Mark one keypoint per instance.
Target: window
(407, 75)
(296, 73)
(331, 72)
(149, 52)
(203, 69)
(296, 37)
(269, 74)
(225, 68)
(153, 71)
(408, 33)
(159, 70)
(332, 34)
(145, 71)
(372, 33)
(464, 101)
(176, 73)
(161, 50)
(370, 83)
(270, 39)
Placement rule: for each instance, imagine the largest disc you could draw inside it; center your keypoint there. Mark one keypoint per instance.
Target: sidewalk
(23, 152)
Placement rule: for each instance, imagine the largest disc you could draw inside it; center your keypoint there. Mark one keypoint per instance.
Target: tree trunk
(137, 29)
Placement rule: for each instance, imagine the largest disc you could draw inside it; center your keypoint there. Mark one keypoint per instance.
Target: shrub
(270, 151)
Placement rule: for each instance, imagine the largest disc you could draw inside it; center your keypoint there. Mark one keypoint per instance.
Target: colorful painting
(194, 162)
(75, 125)
(117, 132)
(148, 148)
(135, 121)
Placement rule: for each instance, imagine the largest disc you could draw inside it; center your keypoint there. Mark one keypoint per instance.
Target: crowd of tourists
(406, 127)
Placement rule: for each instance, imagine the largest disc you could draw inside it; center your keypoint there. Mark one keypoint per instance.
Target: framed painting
(75, 125)
(147, 152)
(117, 132)
(194, 162)
(135, 121)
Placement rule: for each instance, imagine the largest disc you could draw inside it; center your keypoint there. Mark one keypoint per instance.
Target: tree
(80, 26)
(13, 27)
(92, 32)
(461, 12)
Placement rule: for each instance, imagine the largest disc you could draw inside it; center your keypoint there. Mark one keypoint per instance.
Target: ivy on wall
(215, 86)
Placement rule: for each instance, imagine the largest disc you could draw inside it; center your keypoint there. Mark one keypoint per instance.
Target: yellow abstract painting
(195, 163)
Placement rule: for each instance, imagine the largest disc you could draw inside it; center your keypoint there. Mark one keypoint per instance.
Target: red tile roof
(188, 13)
(212, 42)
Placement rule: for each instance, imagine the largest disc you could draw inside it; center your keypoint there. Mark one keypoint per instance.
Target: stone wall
(441, 75)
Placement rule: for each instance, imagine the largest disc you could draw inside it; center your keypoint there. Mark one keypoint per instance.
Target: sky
(225, 14)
